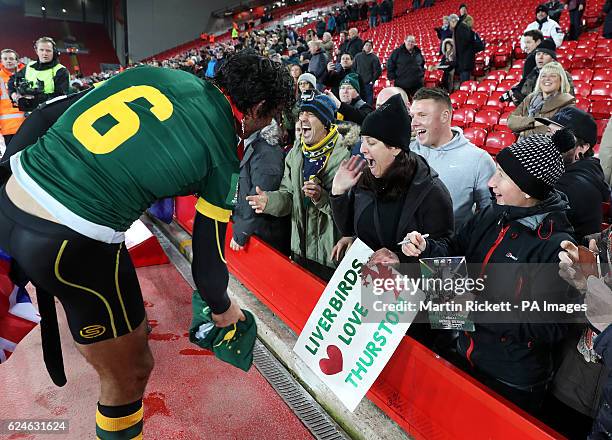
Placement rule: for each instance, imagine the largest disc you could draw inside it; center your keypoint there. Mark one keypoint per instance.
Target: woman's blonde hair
(557, 69)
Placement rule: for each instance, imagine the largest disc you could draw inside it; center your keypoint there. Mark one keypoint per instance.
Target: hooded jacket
(584, 184)
(521, 123)
(516, 251)
(313, 234)
(406, 68)
(464, 169)
(426, 207)
(262, 165)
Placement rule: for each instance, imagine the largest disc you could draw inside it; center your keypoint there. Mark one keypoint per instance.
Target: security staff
(10, 117)
(47, 70)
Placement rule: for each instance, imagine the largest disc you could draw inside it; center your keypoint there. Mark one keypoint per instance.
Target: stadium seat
(476, 100)
(496, 75)
(602, 63)
(505, 85)
(476, 135)
(488, 85)
(583, 103)
(582, 88)
(582, 74)
(493, 103)
(469, 86)
(485, 119)
(601, 108)
(601, 126)
(602, 75)
(458, 98)
(600, 90)
(498, 140)
(463, 117)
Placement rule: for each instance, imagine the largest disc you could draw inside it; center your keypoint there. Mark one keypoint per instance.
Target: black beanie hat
(389, 123)
(535, 163)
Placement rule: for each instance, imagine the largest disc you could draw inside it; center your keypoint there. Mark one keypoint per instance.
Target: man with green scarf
(304, 190)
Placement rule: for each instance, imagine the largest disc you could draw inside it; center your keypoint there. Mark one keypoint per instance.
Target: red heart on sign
(333, 363)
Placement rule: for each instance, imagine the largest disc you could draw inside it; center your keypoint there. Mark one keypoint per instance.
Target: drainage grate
(305, 407)
(299, 400)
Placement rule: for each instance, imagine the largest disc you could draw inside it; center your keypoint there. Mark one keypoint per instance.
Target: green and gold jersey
(143, 135)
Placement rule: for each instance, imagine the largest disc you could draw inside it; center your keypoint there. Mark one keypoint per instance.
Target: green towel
(233, 344)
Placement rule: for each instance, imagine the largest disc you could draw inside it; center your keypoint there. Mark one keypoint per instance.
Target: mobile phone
(589, 262)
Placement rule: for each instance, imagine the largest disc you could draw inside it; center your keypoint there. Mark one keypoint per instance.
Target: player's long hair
(250, 78)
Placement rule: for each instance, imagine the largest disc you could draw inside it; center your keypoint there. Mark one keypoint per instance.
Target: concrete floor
(191, 395)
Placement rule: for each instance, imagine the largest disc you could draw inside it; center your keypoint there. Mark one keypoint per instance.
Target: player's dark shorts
(95, 282)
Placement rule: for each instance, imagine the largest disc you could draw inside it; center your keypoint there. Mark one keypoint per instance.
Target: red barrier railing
(426, 395)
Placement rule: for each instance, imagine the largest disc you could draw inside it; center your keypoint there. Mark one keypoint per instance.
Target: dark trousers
(575, 24)
(464, 75)
(410, 91)
(368, 93)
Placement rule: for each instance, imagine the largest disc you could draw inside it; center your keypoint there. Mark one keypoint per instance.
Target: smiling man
(462, 167)
(304, 190)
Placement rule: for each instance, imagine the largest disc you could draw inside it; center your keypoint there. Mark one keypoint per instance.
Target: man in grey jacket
(318, 62)
(262, 166)
(367, 66)
(462, 167)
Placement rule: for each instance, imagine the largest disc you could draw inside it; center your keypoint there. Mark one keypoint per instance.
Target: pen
(408, 240)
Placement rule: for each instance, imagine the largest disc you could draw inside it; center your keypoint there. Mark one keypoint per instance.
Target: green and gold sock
(119, 422)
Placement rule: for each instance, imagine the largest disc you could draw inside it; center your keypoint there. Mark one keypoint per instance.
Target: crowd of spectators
(345, 164)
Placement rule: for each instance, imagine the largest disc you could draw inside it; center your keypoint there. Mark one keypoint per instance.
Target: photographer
(41, 80)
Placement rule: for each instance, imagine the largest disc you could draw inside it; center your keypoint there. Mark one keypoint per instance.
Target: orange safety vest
(10, 117)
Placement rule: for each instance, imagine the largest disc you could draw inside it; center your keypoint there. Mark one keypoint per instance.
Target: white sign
(344, 348)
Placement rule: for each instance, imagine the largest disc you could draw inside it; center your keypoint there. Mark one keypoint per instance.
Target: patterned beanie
(535, 163)
(321, 106)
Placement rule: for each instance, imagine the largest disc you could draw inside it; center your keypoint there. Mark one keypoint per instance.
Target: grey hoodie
(465, 170)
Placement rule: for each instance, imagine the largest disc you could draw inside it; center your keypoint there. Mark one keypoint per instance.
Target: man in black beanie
(549, 28)
(583, 181)
(351, 107)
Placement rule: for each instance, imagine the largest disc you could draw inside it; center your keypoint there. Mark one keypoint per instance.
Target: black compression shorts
(95, 282)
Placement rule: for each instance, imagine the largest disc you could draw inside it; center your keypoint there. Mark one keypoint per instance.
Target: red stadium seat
(475, 135)
(498, 140)
(582, 88)
(458, 98)
(602, 63)
(476, 100)
(582, 74)
(493, 103)
(469, 86)
(463, 117)
(601, 109)
(602, 75)
(600, 90)
(488, 85)
(505, 85)
(583, 103)
(601, 126)
(579, 63)
(497, 75)
(485, 119)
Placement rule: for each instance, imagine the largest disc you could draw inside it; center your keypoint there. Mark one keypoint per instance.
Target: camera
(506, 97)
(30, 94)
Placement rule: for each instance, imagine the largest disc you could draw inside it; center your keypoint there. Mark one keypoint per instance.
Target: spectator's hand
(569, 264)
(15, 96)
(229, 317)
(235, 246)
(341, 247)
(383, 256)
(337, 102)
(348, 175)
(580, 7)
(331, 66)
(416, 246)
(312, 190)
(566, 6)
(259, 201)
(598, 302)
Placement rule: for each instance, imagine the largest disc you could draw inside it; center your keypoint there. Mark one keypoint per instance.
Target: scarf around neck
(316, 156)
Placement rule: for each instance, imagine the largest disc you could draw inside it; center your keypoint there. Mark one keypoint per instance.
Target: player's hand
(341, 247)
(312, 190)
(383, 256)
(259, 201)
(348, 175)
(229, 317)
(337, 102)
(416, 246)
(235, 246)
